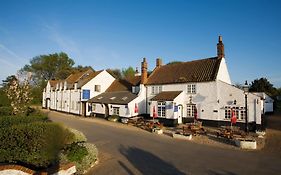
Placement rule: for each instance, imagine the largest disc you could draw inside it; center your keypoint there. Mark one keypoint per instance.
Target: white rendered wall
(229, 93)
(223, 73)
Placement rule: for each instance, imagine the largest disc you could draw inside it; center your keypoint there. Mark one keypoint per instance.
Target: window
(156, 89)
(191, 89)
(97, 88)
(238, 111)
(190, 110)
(115, 111)
(161, 109)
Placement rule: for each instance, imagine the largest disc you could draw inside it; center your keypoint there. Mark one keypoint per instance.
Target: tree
(80, 68)
(263, 85)
(174, 62)
(129, 72)
(18, 93)
(116, 73)
(47, 67)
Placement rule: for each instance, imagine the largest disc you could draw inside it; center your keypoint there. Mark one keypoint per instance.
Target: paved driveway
(129, 150)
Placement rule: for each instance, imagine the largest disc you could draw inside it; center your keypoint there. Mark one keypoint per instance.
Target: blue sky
(119, 33)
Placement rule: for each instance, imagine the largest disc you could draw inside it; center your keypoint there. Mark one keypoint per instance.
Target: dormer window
(191, 89)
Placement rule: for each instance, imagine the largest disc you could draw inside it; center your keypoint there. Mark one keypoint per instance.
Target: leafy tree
(116, 73)
(47, 67)
(129, 72)
(263, 85)
(174, 62)
(80, 68)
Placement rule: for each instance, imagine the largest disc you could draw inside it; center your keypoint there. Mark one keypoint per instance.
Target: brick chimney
(220, 48)
(158, 62)
(143, 71)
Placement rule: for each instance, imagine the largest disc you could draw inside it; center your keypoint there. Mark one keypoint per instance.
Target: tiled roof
(120, 97)
(135, 80)
(53, 83)
(86, 78)
(166, 96)
(119, 85)
(73, 78)
(193, 71)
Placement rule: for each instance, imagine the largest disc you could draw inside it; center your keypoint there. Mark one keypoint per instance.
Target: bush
(36, 144)
(77, 136)
(6, 110)
(7, 121)
(87, 160)
(76, 152)
(113, 118)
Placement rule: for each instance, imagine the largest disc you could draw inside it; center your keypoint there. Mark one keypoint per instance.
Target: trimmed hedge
(36, 144)
(8, 121)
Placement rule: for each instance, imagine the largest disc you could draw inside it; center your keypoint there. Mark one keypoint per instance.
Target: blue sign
(175, 108)
(86, 94)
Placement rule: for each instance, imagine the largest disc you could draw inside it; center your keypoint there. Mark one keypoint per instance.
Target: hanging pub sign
(86, 94)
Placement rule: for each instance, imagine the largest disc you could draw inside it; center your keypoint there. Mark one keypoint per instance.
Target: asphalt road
(129, 150)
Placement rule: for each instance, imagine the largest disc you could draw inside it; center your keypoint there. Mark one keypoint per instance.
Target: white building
(70, 95)
(125, 98)
(176, 92)
(267, 101)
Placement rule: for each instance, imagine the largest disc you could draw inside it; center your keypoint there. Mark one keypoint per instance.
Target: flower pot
(246, 143)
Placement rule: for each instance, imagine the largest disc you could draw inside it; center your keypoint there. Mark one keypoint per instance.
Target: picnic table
(194, 128)
(230, 132)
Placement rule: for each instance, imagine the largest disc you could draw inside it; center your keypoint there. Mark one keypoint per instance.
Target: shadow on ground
(146, 162)
(220, 173)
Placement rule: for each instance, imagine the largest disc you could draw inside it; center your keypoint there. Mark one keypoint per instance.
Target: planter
(246, 143)
(157, 131)
(183, 137)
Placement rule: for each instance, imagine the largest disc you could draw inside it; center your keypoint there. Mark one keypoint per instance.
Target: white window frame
(97, 88)
(240, 112)
(115, 111)
(190, 110)
(191, 88)
(161, 109)
(156, 89)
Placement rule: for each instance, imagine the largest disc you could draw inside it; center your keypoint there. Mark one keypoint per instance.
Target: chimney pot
(158, 62)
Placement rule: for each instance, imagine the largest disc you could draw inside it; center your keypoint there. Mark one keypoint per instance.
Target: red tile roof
(193, 71)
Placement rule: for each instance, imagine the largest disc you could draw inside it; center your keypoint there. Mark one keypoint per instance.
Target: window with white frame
(156, 89)
(191, 89)
(115, 111)
(190, 110)
(161, 109)
(93, 107)
(238, 111)
(97, 88)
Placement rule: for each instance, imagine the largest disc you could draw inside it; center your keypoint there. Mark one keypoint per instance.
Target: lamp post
(246, 92)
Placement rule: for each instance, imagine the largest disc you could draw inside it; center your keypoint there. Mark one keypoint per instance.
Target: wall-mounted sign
(86, 94)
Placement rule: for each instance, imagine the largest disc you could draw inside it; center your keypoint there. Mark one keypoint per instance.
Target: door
(106, 112)
(179, 114)
(84, 109)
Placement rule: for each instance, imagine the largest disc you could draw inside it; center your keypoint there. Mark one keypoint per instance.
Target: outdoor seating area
(145, 124)
(230, 132)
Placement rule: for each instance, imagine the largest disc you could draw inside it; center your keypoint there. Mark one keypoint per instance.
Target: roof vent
(112, 98)
(124, 98)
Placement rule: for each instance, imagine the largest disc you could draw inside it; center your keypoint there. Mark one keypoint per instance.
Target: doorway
(179, 114)
(106, 110)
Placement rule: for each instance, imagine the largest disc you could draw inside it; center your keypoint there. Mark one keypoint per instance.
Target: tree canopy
(263, 85)
(128, 72)
(47, 67)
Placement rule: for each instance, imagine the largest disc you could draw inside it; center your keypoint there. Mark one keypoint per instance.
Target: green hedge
(7, 121)
(6, 110)
(36, 144)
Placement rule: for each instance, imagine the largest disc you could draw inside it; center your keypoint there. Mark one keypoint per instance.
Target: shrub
(113, 118)
(36, 144)
(6, 110)
(76, 152)
(77, 136)
(87, 161)
(7, 121)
